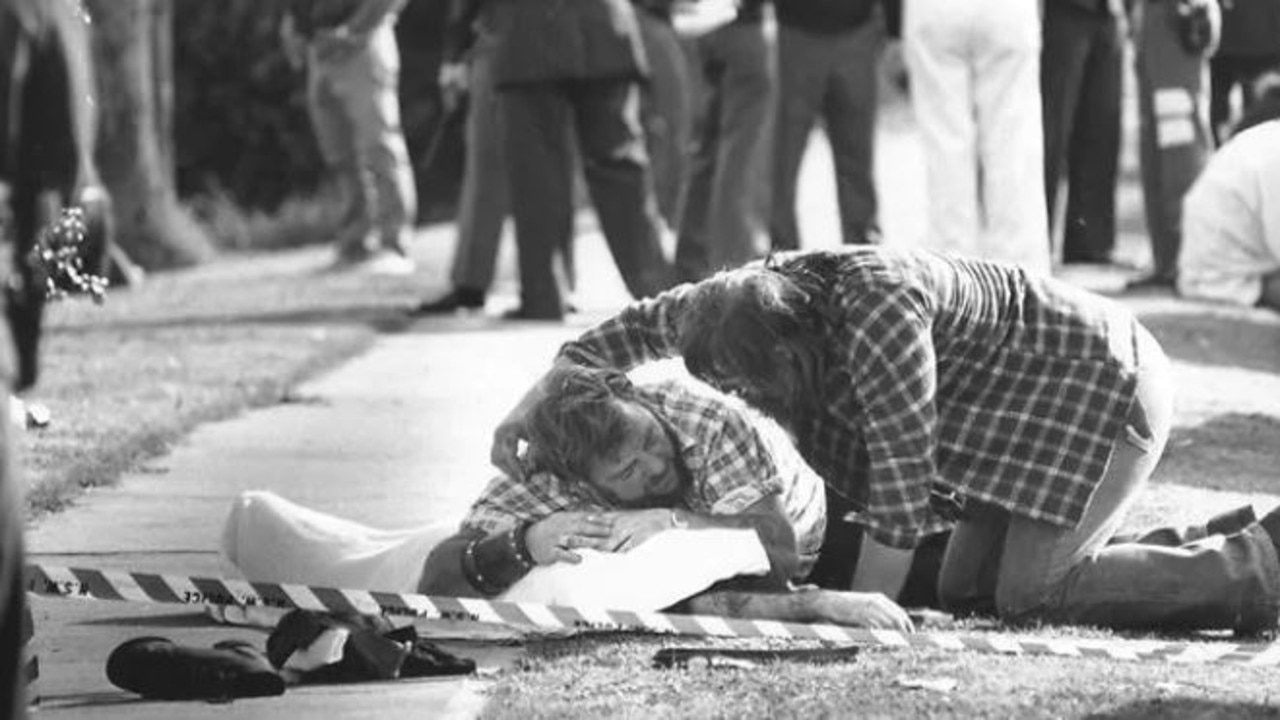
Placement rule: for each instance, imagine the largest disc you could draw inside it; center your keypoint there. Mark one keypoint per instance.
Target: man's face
(643, 471)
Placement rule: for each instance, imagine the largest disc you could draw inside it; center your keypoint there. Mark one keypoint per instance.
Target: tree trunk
(151, 225)
(162, 58)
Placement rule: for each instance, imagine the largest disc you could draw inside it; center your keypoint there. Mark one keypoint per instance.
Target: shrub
(241, 126)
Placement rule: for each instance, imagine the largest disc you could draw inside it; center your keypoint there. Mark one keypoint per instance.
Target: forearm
(798, 606)
(471, 564)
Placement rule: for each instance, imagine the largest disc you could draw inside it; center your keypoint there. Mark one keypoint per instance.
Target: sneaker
(459, 298)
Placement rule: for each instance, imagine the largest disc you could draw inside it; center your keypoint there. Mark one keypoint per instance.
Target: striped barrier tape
(172, 589)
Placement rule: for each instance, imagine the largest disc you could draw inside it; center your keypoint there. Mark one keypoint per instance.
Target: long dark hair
(756, 332)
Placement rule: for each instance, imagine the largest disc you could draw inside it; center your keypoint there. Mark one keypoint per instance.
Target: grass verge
(126, 379)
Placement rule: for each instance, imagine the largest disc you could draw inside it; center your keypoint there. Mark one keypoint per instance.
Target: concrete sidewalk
(395, 438)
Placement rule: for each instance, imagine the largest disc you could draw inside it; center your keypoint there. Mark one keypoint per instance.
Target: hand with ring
(555, 537)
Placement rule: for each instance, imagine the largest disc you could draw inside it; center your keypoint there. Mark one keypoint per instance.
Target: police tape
(140, 587)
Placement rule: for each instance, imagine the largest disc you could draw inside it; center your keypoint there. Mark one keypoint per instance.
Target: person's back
(1231, 221)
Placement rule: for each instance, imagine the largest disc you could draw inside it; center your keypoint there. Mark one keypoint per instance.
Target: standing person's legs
(706, 71)
(737, 231)
(1173, 136)
(616, 168)
(370, 83)
(483, 203)
(536, 124)
(1090, 231)
(666, 113)
(849, 114)
(1006, 77)
(334, 131)
(13, 612)
(1222, 80)
(803, 70)
(1066, 33)
(935, 48)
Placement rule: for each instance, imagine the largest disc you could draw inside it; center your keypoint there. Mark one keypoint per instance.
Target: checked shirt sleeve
(507, 501)
(740, 469)
(892, 366)
(644, 331)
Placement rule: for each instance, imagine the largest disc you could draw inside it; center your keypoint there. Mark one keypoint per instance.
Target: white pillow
(667, 568)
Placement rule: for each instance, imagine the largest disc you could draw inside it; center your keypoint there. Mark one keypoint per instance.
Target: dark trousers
(832, 77)
(1225, 73)
(1080, 76)
(13, 613)
(1174, 141)
(540, 122)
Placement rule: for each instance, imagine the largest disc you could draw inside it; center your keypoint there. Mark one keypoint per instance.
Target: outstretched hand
(860, 609)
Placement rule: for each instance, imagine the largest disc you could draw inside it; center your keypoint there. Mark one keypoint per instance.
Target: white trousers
(975, 87)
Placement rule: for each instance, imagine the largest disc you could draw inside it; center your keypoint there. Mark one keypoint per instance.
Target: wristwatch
(678, 522)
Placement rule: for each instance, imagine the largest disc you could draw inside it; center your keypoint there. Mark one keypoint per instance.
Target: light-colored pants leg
(483, 202)
(1006, 94)
(936, 44)
(1077, 576)
(334, 131)
(666, 111)
(724, 223)
(366, 84)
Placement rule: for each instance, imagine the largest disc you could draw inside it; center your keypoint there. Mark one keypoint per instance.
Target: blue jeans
(1044, 572)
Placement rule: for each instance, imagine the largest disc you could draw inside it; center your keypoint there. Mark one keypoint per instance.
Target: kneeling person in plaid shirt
(620, 462)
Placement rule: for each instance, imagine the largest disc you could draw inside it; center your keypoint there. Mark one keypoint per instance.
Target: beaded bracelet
(520, 543)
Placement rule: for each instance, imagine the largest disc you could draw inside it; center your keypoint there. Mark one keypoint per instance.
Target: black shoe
(155, 667)
(460, 298)
(1151, 281)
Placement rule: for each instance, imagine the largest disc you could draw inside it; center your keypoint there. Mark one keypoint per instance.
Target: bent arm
(472, 564)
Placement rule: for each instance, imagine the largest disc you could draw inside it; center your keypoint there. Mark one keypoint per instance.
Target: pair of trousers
(541, 119)
(1045, 572)
(724, 223)
(975, 88)
(832, 77)
(1081, 68)
(482, 202)
(1173, 127)
(667, 113)
(355, 114)
(13, 596)
(1226, 72)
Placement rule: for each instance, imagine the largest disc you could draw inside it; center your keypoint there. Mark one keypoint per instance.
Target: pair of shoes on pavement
(158, 668)
(459, 298)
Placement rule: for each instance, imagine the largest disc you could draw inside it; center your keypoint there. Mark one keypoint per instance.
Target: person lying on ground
(618, 464)
(1043, 406)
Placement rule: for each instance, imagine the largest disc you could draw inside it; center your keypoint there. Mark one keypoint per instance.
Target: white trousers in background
(975, 87)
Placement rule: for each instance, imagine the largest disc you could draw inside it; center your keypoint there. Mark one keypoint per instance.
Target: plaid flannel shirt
(939, 371)
(734, 457)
